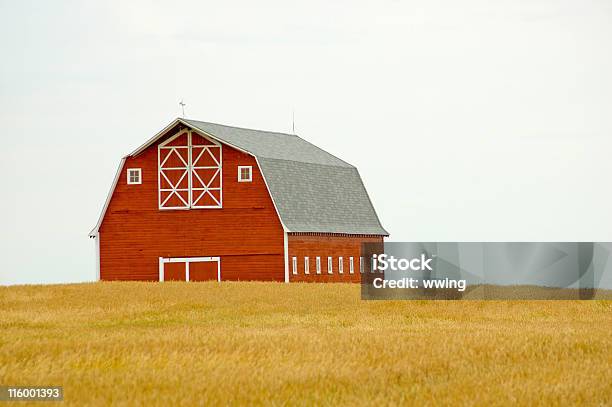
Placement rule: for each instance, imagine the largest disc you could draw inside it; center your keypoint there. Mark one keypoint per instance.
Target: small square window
(134, 176)
(245, 173)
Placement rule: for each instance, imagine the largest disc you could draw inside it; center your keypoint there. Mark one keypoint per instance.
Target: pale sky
(468, 121)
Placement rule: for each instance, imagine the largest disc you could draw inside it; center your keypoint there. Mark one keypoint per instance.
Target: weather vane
(182, 104)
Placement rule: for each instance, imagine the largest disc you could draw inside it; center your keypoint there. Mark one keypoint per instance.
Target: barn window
(361, 264)
(306, 265)
(330, 263)
(190, 172)
(294, 261)
(134, 176)
(318, 265)
(351, 266)
(340, 265)
(245, 173)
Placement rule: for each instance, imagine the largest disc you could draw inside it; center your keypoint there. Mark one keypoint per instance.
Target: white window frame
(361, 264)
(137, 171)
(318, 264)
(248, 167)
(351, 266)
(330, 265)
(306, 265)
(294, 264)
(340, 265)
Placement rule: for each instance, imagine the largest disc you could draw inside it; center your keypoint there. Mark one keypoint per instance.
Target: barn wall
(301, 245)
(246, 233)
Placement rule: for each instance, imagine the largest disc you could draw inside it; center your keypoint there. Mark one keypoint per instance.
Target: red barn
(203, 201)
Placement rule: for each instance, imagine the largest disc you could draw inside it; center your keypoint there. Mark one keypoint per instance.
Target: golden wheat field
(299, 344)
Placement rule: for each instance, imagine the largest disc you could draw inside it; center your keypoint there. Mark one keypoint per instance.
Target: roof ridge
(241, 128)
(347, 165)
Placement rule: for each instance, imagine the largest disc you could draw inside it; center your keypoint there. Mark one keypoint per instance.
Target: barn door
(173, 179)
(204, 271)
(190, 172)
(175, 271)
(205, 173)
(190, 269)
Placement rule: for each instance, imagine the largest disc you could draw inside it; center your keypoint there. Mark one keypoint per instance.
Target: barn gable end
(245, 233)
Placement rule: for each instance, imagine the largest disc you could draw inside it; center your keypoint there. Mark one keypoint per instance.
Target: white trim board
(97, 249)
(94, 231)
(188, 259)
(286, 259)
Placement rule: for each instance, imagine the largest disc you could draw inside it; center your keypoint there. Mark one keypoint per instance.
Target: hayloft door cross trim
(189, 172)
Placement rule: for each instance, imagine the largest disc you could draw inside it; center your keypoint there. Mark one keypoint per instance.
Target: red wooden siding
(246, 233)
(324, 246)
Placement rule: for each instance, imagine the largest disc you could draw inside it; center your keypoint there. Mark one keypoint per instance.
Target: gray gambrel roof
(312, 190)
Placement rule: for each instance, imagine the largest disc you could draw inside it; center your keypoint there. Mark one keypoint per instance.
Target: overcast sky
(469, 121)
